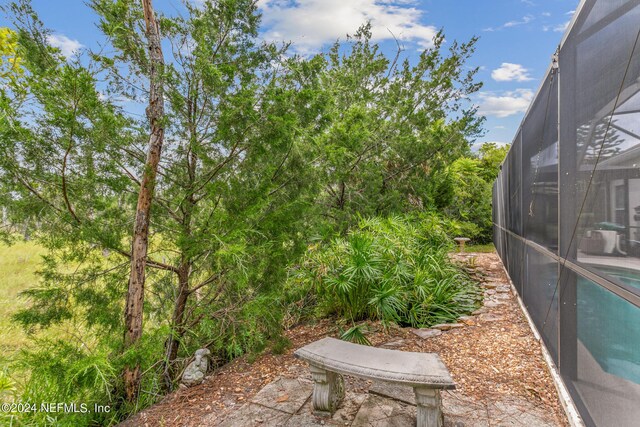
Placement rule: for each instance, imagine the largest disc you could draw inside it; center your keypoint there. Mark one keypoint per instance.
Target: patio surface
(287, 402)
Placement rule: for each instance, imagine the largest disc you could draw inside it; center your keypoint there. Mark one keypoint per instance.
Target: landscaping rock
(448, 326)
(394, 344)
(195, 372)
(425, 333)
(489, 317)
(491, 303)
(467, 320)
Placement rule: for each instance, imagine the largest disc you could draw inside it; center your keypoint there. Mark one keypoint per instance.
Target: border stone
(448, 326)
(490, 317)
(425, 333)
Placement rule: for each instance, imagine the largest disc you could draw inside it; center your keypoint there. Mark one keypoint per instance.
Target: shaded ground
(493, 357)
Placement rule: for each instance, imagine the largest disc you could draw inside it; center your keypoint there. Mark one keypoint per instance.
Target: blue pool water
(609, 326)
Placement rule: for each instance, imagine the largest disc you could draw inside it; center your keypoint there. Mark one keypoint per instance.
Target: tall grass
(18, 265)
(394, 270)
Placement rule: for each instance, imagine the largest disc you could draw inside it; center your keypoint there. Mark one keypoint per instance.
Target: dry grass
(18, 266)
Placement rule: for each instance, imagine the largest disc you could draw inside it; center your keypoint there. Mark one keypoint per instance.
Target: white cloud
(66, 45)
(506, 104)
(311, 24)
(509, 72)
(560, 28)
(525, 20)
(546, 14)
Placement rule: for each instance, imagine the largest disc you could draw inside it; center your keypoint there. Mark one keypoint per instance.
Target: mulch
(493, 357)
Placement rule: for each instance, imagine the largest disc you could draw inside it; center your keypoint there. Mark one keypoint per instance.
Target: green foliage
(395, 270)
(280, 345)
(10, 61)
(390, 125)
(491, 158)
(463, 190)
(72, 370)
(61, 372)
(355, 334)
(486, 248)
(6, 383)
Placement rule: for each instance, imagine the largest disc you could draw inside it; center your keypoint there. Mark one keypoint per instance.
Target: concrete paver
(287, 402)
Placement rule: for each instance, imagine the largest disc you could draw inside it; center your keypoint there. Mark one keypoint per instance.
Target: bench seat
(330, 357)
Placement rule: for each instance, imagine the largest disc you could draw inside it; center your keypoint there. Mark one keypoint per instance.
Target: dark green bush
(394, 270)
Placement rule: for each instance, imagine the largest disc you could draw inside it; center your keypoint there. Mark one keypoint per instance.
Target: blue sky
(517, 37)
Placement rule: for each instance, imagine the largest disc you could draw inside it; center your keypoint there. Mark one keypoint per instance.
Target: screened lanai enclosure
(566, 209)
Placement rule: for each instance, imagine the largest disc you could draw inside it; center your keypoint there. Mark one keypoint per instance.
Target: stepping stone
(489, 317)
(425, 333)
(501, 296)
(252, 415)
(376, 411)
(490, 292)
(480, 311)
(491, 285)
(503, 289)
(463, 411)
(524, 411)
(284, 394)
(306, 418)
(448, 326)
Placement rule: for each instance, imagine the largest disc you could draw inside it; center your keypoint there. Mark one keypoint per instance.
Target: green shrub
(58, 371)
(394, 270)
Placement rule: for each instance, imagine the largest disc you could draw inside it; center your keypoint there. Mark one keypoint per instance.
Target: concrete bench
(330, 357)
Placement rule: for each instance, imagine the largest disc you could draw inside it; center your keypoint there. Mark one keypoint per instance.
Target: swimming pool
(609, 326)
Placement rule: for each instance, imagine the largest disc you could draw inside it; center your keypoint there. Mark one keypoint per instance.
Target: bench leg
(328, 391)
(429, 407)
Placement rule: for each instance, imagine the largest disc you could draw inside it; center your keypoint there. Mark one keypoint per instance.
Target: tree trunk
(139, 247)
(341, 200)
(177, 332)
(184, 272)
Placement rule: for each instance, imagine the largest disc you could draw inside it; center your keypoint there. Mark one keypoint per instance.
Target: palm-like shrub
(394, 270)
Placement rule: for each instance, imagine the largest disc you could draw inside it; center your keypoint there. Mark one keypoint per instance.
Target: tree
(463, 189)
(140, 244)
(491, 157)
(391, 124)
(10, 61)
(229, 198)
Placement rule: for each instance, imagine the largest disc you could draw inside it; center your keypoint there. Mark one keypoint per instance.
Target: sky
(517, 38)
